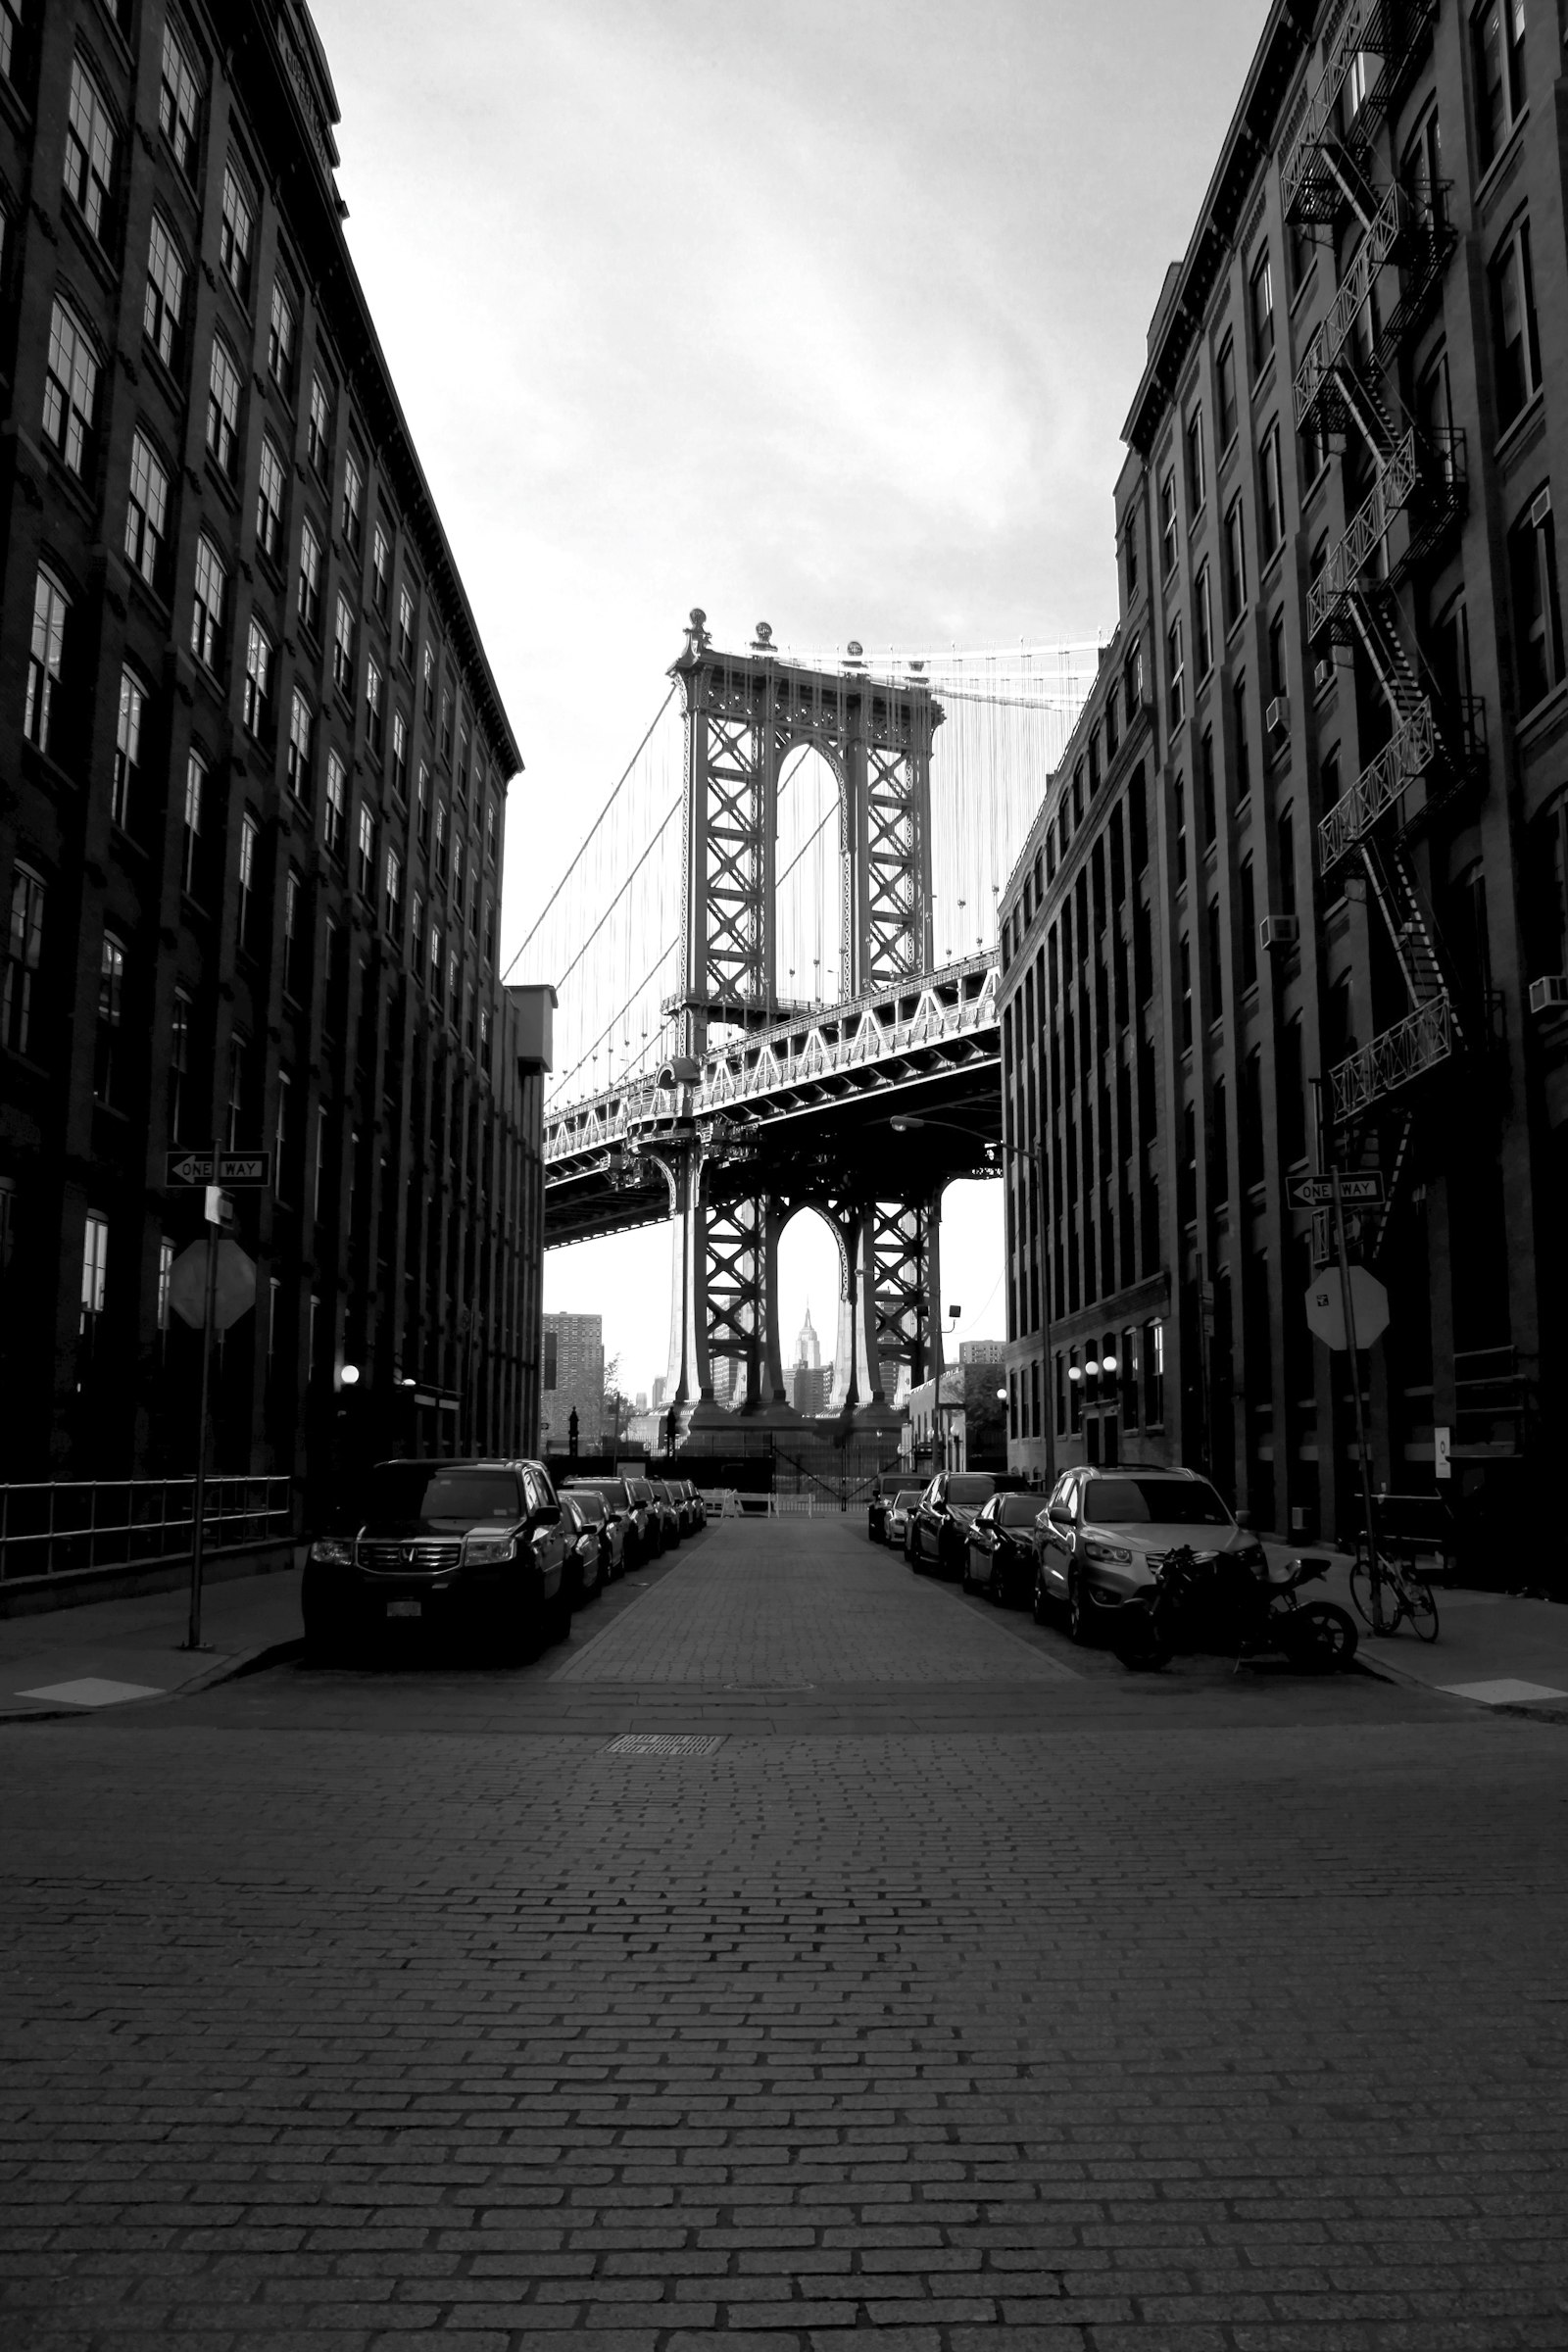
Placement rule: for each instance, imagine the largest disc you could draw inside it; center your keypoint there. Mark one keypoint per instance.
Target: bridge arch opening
(807, 882)
(810, 1286)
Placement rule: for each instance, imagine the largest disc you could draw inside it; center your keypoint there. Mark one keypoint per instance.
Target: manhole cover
(664, 1744)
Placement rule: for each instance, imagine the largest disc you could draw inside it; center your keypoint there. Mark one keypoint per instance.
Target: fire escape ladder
(1395, 1176)
(1411, 929)
(1385, 648)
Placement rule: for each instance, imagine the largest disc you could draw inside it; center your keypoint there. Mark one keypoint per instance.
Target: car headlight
(486, 1549)
(1108, 1551)
(332, 1551)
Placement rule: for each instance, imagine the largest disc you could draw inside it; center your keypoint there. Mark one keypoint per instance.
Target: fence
(69, 1526)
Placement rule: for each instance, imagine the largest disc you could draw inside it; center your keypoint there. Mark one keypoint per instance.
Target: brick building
(254, 784)
(1296, 893)
(575, 1382)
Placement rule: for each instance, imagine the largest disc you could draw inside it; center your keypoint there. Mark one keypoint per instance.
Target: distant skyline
(822, 316)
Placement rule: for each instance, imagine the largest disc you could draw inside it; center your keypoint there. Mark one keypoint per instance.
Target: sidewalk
(1491, 1648)
(110, 1652)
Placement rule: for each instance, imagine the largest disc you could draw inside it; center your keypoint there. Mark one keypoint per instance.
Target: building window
(1185, 966)
(404, 626)
(490, 826)
(452, 982)
(1195, 486)
(335, 813)
(90, 156)
(318, 429)
(434, 978)
(294, 962)
(1271, 493)
(1537, 611)
(209, 604)
(222, 408)
(1285, 850)
(1167, 522)
(1205, 787)
(1179, 827)
(446, 724)
(51, 608)
(310, 584)
(429, 683)
(70, 390)
(166, 1271)
(258, 683)
(124, 793)
(1129, 553)
(163, 303)
(364, 867)
(239, 1048)
(1248, 925)
(421, 813)
(1498, 36)
(24, 955)
(400, 756)
(180, 1033)
(343, 647)
(191, 847)
(353, 501)
(1216, 963)
(380, 571)
(1219, 1175)
(489, 929)
(394, 892)
(1235, 562)
(1262, 311)
(281, 331)
(1154, 1355)
(457, 876)
(94, 1268)
(1177, 700)
(438, 855)
(237, 232)
(270, 498)
(249, 847)
(107, 1076)
(282, 1157)
(301, 745)
(1515, 338)
(179, 101)
(375, 707)
(1225, 378)
(146, 512)
(1203, 608)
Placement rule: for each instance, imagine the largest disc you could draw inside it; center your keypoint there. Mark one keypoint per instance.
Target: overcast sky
(824, 312)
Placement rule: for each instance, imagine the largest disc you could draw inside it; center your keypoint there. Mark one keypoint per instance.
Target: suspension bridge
(778, 933)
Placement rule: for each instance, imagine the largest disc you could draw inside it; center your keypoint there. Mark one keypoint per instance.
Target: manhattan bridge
(777, 937)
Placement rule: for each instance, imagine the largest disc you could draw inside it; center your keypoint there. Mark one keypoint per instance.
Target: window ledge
(1263, 380)
(1497, 171)
(1517, 431)
(1308, 280)
(1542, 717)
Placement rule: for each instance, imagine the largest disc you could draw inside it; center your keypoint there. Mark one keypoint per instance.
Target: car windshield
(439, 1494)
(614, 1493)
(907, 1497)
(1159, 1501)
(591, 1505)
(970, 1491)
(1018, 1511)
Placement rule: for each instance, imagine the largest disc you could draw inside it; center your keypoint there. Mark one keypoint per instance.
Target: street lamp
(908, 1123)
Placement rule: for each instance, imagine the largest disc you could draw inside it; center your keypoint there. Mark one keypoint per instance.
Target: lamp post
(1033, 1158)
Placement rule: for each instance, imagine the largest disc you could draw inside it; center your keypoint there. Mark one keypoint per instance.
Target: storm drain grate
(666, 1743)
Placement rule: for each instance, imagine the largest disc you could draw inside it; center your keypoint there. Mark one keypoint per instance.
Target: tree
(617, 1409)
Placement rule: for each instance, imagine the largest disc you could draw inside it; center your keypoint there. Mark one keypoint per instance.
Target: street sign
(1443, 1452)
(233, 1292)
(1363, 1190)
(249, 1170)
(1325, 1306)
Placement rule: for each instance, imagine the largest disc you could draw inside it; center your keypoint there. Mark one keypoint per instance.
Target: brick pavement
(1192, 2031)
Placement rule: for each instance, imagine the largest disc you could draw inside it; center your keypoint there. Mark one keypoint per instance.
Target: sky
(828, 313)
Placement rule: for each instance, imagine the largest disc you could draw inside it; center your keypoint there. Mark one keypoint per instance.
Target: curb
(254, 1660)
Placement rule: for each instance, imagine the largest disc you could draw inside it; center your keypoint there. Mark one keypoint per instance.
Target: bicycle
(1401, 1593)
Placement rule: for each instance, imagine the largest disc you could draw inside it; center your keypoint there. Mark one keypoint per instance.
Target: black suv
(442, 1545)
(938, 1529)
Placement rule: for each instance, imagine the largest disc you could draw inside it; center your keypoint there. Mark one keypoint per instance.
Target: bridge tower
(744, 714)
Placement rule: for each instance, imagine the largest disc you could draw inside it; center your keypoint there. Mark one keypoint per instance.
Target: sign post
(1374, 1572)
(212, 1171)
(213, 1211)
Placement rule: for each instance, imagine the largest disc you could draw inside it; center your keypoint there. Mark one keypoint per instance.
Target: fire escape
(1346, 391)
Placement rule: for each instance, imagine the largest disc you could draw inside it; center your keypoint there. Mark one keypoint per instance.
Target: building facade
(1295, 899)
(573, 1349)
(254, 773)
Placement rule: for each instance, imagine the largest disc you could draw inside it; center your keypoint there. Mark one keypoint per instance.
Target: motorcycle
(1206, 1599)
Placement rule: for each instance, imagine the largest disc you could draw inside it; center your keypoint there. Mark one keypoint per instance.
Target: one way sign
(248, 1170)
(1361, 1191)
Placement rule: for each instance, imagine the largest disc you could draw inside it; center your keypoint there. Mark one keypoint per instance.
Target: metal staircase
(1415, 498)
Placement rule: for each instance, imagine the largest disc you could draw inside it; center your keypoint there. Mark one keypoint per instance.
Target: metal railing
(1364, 535)
(71, 1527)
(1393, 1058)
(1405, 756)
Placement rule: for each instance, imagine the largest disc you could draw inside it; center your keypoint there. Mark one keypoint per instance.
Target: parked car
(876, 1516)
(649, 1517)
(431, 1546)
(585, 1569)
(1000, 1549)
(939, 1524)
(625, 1546)
(685, 1501)
(669, 1511)
(1104, 1532)
(898, 1518)
(698, 1502)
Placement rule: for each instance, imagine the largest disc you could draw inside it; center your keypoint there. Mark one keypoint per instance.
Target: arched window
(108, 1077)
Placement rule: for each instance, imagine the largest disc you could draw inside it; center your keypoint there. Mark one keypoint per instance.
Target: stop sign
(1325, 1306)
(233, 1292)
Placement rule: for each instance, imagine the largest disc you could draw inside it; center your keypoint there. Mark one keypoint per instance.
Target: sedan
(625, 1542)
(585, 1529)
(904, 1502)
(939, 1525)
(1000, 1549)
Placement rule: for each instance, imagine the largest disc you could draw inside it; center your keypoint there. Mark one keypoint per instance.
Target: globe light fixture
(350, 1376)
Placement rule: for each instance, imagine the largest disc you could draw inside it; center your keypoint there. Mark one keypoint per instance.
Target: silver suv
(1102, 1532)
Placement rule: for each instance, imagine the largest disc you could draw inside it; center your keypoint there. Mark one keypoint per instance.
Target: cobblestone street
(965, 1985)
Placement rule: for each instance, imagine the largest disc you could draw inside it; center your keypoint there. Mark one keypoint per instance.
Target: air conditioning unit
(1550, 996)
(1322, 675)
(1279, 930)
(1277, 717)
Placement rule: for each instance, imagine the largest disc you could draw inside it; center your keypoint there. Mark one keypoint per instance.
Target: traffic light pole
(214, 1212)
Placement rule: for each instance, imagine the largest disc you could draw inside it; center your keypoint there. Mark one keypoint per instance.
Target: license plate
(405, 1608)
